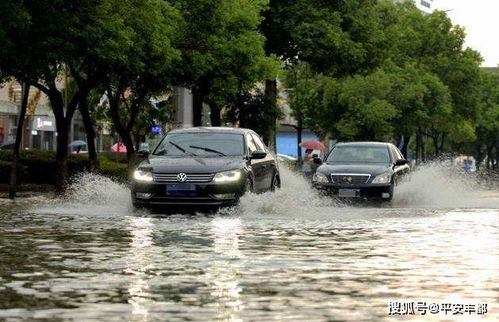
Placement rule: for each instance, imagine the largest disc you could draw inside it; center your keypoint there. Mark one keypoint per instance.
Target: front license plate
(181, 189)
(349, 193)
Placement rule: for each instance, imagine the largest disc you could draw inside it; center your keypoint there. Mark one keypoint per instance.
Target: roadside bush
(113, 156)
(39, 167)
(4, 171)
(115, 170)
(34, 167)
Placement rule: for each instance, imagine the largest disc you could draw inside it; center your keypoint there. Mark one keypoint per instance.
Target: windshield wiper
(181, 148)
(177, 146)
(207, 150)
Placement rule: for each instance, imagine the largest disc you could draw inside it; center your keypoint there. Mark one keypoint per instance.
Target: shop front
(43, 133)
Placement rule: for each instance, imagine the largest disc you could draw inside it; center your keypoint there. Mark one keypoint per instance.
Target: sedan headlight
(142, 175)
(320, 178)
(383, 178)
(227, 176)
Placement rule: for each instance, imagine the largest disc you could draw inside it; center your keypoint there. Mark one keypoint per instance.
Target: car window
(395, 156)
(399, 154)
(258, 142)
(359, 154)
(252, 147)
(201, 145)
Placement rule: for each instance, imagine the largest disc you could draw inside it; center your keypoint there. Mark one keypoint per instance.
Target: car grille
(350, 178)
(191, 177)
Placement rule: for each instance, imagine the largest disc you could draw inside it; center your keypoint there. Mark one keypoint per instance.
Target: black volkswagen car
(361, 170)
(204, 166)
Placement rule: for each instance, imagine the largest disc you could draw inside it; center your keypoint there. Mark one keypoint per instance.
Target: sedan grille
(189, 177)
(350, 178)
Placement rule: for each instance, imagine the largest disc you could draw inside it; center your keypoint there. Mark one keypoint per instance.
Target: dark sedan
(361, 170)
(204, 166)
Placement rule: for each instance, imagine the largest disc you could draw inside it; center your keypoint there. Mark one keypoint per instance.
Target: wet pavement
(288, 256)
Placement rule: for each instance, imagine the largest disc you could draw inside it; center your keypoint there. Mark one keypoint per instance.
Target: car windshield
(359, 154)
(201, 145)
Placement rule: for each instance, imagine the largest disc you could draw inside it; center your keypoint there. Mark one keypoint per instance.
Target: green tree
(435, 45)
(57, 38)
(488, 121)
(222, 51)
(143, 66)
(336, 38)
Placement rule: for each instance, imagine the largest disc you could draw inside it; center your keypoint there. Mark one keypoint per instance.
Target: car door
(257, 165)
(268, 163)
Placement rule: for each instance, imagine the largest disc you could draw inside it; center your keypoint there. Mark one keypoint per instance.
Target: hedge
(39, 167)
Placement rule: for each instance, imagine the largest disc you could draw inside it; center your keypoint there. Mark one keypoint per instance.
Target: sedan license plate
(349, 193)
(181, 190)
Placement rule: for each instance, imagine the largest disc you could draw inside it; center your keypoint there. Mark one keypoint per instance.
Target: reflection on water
(138, 265)
(224, 270)
(288, 256)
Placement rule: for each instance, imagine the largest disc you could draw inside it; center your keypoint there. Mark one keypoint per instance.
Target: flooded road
(288, 256)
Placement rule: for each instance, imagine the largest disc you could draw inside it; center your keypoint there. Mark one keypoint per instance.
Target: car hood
(372, 169)
(193, 164)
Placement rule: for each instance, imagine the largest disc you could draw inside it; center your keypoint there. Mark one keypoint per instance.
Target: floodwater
(288, 256)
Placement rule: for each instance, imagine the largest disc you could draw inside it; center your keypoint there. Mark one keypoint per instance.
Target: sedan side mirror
(401, 162)
(317, 160)
(143, 153)
(258, 154)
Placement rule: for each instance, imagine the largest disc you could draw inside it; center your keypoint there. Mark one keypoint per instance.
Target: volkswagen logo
(181, 177)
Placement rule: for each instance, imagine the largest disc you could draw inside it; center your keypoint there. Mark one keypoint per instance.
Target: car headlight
(142, 175)
(227, 176)
(320, 178)
(383, 178)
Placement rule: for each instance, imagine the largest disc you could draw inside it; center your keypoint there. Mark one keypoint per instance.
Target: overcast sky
(480, 18)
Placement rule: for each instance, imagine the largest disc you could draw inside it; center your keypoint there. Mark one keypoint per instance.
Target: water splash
(435, 186)
(296, 196)
(91, 194)
(441, 185)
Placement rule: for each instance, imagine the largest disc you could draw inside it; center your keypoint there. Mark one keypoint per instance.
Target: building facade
(40, 127)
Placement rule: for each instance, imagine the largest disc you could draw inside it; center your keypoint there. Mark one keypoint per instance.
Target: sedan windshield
(201, 145)
(359, 154)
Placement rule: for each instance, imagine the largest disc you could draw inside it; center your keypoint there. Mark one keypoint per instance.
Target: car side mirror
(401, 162)
(258, 154)
(317, 160)
(143, 153)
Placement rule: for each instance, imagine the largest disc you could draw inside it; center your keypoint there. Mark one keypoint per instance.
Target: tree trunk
(125, 132)
(407, 139)
(130, 153)
(418, 147)
(90, 132)
(271, 109)
(423, 148)
(19, 137)
(442, 143)
(136, 141)
(436, 145)
(299, 132)
(497, 156)
(215, 117)
(479, 154)
(62, 158)
(490, 161)
(197, 107)
(63, 123)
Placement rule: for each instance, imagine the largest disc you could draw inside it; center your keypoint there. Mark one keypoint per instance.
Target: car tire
(276, 183)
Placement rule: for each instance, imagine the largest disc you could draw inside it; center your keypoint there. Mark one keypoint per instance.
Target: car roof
(214, 129)
(363, 144)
